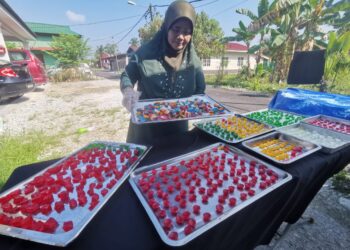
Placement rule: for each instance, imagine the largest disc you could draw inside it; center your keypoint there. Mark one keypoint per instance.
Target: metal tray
(233, 157)
(322, 133)
(267, 128)
(267, 109)
(141, 104)
(307, 147)
(333, 119)
(80, 215)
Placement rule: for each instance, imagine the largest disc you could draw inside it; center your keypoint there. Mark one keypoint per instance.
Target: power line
(230, 8)
(111, 36)
(144, 15)
(105, 21)
(207, 3)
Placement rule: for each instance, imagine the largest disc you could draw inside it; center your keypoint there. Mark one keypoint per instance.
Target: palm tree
(287, 18)
(99, 51)
(244, 35)
(263, 8)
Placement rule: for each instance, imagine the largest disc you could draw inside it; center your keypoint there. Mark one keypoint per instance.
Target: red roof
(41, 48)
(236, 46)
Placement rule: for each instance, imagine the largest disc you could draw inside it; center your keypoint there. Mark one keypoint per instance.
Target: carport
(12, 28)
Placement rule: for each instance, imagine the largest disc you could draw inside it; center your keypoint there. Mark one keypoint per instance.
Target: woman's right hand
(130, 97)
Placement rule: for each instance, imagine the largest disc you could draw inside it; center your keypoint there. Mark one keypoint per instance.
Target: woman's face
(180, 34)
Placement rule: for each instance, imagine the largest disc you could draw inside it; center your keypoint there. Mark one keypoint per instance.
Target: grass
(260, 84)
(263, 84)
(16, 151)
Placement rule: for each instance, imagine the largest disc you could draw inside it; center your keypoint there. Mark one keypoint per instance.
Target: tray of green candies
(274, 117)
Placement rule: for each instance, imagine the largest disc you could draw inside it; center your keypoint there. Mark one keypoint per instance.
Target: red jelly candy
(45, 209)
(232, 202)
(50, 225)
(67, 226)
(179, 220)
(59, 206)
(174, 210)
(73, 204)
(206, 217)
(205, 199)
(167, 224)
(196, 209)
(251, 192)
(173, 236)
(161, 214)
(188, 230)
(243, 196)
(219, 208)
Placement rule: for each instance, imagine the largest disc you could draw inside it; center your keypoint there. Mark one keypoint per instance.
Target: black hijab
(177, 10)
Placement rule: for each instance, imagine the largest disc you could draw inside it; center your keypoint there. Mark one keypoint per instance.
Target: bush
(69, 75)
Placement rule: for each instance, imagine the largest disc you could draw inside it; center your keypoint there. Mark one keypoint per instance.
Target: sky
(110, 21)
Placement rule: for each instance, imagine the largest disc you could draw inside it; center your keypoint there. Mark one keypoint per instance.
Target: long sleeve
(130, 75)
(200, 81)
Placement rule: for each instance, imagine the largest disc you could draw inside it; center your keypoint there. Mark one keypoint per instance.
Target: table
(123, 223)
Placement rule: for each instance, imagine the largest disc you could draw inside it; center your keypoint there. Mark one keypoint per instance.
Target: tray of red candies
(331, 123)
(54, 206)
(187, 195)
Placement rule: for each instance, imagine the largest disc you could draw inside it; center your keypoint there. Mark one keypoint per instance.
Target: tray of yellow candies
(233, 128)
(281, 148)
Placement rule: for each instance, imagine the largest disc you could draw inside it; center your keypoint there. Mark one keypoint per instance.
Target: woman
(166, 67)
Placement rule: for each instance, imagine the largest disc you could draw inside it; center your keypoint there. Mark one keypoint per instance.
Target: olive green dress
(156, 78)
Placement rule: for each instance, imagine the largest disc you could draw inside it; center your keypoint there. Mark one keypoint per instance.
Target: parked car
(35, 66)
(15, 80)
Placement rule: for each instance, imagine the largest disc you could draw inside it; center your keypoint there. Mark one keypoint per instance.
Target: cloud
(75, 17)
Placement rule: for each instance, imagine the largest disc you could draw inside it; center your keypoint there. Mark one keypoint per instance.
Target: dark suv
(14, 80)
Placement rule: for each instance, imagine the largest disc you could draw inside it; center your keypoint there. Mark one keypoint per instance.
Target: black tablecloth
(123, 223)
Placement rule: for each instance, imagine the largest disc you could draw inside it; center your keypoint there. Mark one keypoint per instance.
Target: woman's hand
(130, 97)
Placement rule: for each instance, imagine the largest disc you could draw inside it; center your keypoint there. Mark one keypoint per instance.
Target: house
(119, 62)
(12, 28)
(235, 57)
(44, 36)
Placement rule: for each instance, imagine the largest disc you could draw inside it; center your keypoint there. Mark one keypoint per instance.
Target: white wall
(232, 61)
(2, 43)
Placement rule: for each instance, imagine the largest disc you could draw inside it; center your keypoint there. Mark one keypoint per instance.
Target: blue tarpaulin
(309, 103)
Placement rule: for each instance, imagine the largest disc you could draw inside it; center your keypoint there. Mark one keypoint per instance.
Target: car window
(17, 55)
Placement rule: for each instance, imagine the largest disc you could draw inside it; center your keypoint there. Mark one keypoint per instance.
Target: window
(240, 61)
(17, 55)
(206, 62)
(224, 61)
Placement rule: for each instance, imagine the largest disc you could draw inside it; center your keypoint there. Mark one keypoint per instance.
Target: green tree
(207, 36)
(337, 56)
(147, 32)
(11, 45)
(111, 48)
(134, 42)
(70, 50)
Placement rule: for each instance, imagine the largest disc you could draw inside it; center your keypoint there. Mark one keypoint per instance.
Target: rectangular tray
(326, 148)
(333, 119)
(99, 155)
(267, 128)
(267, 109)
(308, 146)
(141, 104)
(193, 176)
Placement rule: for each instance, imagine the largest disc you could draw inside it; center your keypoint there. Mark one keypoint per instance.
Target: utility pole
(150, 10)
